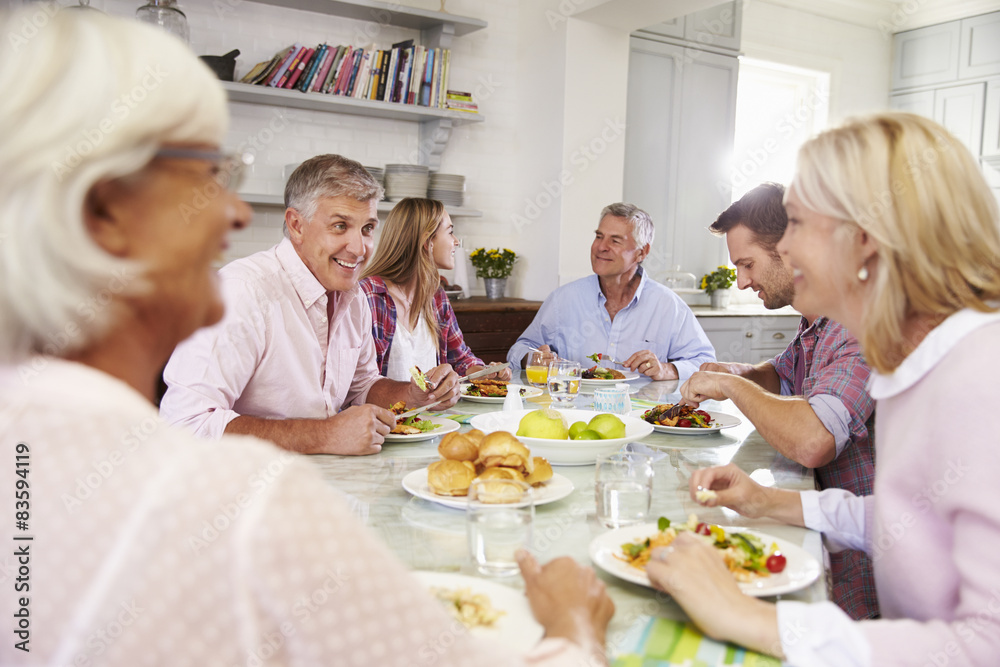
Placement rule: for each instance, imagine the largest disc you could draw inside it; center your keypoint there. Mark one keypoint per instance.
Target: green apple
(576, 429)
(609, 426)
(545, 423)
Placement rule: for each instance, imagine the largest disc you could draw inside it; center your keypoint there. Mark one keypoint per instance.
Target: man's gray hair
(329, 176)
(638, 220)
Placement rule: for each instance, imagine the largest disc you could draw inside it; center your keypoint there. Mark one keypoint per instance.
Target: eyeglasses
(231, 166)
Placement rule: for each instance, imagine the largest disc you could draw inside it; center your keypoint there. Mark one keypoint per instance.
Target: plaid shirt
(451, 344)
(825, 359)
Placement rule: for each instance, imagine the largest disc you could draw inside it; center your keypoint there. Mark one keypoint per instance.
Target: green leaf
(662, 523)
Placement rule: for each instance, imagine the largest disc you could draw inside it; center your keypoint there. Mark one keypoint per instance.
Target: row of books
(406, 73)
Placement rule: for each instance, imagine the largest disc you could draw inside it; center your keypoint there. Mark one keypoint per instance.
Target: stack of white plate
(405, 180)
(378, 173)
(448, 188)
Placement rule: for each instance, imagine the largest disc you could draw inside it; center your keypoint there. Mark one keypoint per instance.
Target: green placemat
(461, 419)
(659, 642)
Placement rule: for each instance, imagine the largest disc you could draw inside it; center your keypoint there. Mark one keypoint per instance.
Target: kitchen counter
(428, 536)
(744, 310)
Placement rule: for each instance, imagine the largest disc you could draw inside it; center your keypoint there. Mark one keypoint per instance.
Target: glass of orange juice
(537, 368)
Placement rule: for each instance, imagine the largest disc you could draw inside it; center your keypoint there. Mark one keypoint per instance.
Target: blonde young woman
(893, 232)
(414, 324)
(149, 545)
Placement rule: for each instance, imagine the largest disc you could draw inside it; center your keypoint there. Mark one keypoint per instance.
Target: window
(778, 107)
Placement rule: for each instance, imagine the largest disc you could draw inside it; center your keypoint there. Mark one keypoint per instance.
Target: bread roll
(541, 473)
(503, 449)
(450, 478)
(495, 491)
(501, 473)
(458, 447)
(475, 435)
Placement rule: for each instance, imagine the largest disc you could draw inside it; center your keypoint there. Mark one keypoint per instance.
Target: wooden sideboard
(491, 326)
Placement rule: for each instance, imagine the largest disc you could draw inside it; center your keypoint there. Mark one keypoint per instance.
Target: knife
(489, 370)
(417, 411)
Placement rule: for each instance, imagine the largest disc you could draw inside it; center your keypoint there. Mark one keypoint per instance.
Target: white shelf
(384, 13)
(278, 201)
(243, 92)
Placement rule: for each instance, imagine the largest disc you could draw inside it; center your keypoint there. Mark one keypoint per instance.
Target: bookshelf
(436, 31)
(386, 13)
(294, 99)
(278, 201)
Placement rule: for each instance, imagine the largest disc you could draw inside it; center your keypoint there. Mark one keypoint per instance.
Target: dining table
(428, 536)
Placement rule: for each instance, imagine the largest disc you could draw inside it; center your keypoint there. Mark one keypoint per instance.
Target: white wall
(547, 83)
(857, 58)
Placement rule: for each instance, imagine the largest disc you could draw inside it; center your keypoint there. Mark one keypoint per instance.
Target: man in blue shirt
(619, 311)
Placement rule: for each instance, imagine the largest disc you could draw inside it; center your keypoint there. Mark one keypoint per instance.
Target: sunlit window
(777, 108)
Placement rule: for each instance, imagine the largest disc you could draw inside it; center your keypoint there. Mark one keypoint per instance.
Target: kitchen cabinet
(491, 326)
(960, 110)
(716, 27)
(991, 119)
(921, 103)
(951, 72)
(980, 46)
(680, 123)
(926, 56)
(711, 29)
(749, 339)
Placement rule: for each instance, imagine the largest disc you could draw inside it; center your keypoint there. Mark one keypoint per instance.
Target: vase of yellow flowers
(716, 284)
(494, 267)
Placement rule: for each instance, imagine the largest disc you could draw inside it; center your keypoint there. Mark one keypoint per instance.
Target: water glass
(564, 381)
(499, 519)
(624, 489)
(537, 368)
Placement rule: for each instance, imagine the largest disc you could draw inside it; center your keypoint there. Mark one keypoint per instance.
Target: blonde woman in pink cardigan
(894, 233)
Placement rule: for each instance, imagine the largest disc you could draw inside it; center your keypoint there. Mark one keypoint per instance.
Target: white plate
(800, 570)
(720, 420)
(415, 483)
(516, 629)
(447, 426)
(564, 452)
(529, 392)
(629, 376)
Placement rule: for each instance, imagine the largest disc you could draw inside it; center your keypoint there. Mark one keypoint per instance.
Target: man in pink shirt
(293, 361)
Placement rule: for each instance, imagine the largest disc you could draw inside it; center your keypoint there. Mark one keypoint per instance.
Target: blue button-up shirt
(574, 322)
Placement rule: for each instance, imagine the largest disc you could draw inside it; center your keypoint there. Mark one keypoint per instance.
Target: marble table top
(428, 536)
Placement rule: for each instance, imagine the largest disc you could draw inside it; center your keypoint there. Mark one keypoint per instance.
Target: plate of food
(417, 484)
(685, 420)
(418, 428)
(763, 565)
(493, 391)
(599, 376)
(488, 609)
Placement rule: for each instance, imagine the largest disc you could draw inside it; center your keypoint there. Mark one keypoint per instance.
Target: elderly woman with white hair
(892, 231)
(146, 545)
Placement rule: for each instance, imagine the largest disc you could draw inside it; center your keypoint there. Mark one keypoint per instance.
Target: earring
(863, 273)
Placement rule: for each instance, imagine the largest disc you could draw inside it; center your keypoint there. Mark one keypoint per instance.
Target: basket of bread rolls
(475, 455)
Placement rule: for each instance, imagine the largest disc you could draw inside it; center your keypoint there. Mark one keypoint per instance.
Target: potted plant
(717, 283)
(494, 267)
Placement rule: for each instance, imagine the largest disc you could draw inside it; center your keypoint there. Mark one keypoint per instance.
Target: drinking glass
(564, 381)
(499, 519)
(624, 490)
(537, 368)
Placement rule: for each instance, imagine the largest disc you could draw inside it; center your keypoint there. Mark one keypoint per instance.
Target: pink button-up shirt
(286, 349)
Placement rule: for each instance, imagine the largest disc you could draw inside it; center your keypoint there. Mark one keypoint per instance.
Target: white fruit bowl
(564, 452)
